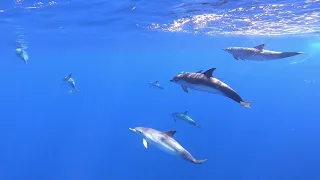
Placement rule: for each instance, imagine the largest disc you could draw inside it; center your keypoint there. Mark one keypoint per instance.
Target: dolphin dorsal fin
(156, 82)
(209, 73)
(199, 71)
(186, 112)
(260, 47)
(69, 76)
(171, 133)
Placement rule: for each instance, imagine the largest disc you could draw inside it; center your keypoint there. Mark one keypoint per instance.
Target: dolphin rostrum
(155, 84)
(23, 54)
(207, 83)
(165, 142)
(185, 117)
(72, 83)
(257, 53)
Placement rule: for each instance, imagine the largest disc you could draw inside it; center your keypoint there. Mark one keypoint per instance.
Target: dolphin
(22, 54)
(207, 83)
(165, 142)
(72, 83)
(257, 53)
(155, 84)
(185, 117)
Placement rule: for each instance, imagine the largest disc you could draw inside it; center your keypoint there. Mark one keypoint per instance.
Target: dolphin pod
(199, 81)
(205, 82)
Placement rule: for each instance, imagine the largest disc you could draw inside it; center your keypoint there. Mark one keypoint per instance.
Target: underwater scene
(159, 89)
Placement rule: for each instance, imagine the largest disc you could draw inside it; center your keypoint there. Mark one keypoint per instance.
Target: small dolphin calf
(207, 83)
(155, 84)
(72, 83)
(257, 53)
(165, 142)
(185, 117)
(22, 54)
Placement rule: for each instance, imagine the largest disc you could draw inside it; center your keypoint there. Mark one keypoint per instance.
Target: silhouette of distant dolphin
(155, 84)
(185, 117)
(22, 54)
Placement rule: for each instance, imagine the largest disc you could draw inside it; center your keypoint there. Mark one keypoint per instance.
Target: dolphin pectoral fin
(199, 161)
(235, 57)
(145, 143)
(260, 47)
(246, 104)
(185, 89)
(185, 113)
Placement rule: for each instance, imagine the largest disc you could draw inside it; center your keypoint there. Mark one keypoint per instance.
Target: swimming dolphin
(165, 142)
(257, 53)
(185, 117)
(207, 83)
(155, 84)
(72, 83)
(22, 54)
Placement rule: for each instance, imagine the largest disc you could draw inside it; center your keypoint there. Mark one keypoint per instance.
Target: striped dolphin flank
(258, 53)
(207, 83)
(164, 141)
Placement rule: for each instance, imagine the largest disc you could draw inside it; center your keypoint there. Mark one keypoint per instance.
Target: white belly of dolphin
(165, 148)
(204, 88)
(162, 146)
(189, 120)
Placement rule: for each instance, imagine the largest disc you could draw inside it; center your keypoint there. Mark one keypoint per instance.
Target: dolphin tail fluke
(246, 104)
(200, 161)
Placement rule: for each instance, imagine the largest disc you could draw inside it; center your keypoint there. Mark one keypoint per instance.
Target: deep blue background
(47, 133)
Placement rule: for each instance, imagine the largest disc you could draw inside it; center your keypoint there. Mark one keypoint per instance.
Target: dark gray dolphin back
(215, 83)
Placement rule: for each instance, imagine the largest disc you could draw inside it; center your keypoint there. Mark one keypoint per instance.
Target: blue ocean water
(114, 48)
